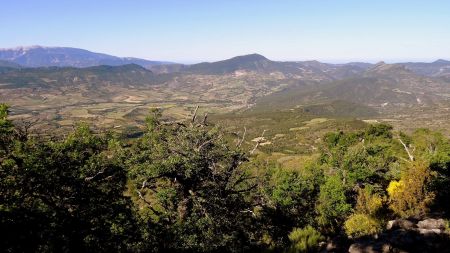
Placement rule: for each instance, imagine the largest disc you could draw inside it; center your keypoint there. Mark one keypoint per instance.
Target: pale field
(106, 106)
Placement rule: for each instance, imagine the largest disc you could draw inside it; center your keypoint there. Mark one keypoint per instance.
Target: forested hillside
(192, 186)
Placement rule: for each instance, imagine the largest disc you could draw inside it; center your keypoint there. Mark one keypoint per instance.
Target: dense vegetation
(185, 187)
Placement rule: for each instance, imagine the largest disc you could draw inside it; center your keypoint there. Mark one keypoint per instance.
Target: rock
(432, 224)
(331, 246)
(425, 231)
(370, 247)
(400, 224)
(390, 224)
(406, 235)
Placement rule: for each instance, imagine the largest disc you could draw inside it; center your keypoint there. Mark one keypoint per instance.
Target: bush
(358, 225)
(410, 195)
(369, 203)
(305, 240)
(332, 207)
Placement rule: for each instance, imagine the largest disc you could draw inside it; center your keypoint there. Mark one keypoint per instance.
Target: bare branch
(94, 176)
(258, 142)
(144, 184)
(204, 144)
(244, 190)
(204, 119)
(195, 114)
(411, 157)
(147, 202)
(249, 211)
(243, 137)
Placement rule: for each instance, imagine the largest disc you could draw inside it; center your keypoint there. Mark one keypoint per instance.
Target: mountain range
(248, 82)
(260, 64)
(40, 56)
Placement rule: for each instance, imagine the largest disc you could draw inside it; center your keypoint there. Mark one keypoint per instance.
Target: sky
(189, 31)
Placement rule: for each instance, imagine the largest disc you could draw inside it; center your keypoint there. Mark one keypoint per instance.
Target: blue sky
(196, 30)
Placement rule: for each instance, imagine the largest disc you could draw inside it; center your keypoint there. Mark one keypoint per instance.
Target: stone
(431, 224)
(425, 231)
(371, 247)
(390, 224)
(400, 224)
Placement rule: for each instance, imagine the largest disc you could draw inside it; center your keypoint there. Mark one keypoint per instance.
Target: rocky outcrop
(404, 235)
(432, 224)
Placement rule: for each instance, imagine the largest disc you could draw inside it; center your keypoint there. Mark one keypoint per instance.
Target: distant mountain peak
(251, 57)
(380, 63)
(441, 61)
(382, 67)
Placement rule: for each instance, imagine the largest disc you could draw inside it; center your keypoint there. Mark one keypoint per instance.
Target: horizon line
(190, 62)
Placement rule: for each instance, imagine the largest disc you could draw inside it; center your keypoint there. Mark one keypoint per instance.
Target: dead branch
(195, 114)
(144, 184)
(243, 137)
(94, 176)
(257, 143)
(204, 144)
(249, 211)
(23, 127)
(411, 157)
(205, 117)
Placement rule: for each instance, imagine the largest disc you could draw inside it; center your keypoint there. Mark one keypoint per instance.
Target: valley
(119, 97)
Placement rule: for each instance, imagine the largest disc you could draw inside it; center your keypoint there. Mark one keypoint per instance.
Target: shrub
(358, 225)
(410, 195)
(369, 203)
(305, 240)
(332, 207)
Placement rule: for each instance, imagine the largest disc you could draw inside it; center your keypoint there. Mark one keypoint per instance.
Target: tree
(434, 148)
(290, 198)
(191, 186)
(64, 196)
(332, 206)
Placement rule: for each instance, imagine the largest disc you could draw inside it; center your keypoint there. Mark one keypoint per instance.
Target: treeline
(184, 187)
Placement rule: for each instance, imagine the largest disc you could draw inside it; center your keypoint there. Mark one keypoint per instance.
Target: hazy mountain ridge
(311, 70)
(46, 77)
(8, 64)
(439, 68)
(381, 86)
(39, 56)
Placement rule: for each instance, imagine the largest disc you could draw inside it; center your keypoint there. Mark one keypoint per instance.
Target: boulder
(370, 247)
(400, 224)
(425, 231)
(432, 224)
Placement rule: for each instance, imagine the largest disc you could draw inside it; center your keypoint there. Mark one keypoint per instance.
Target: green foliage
(191, 185)
(292, 189)
(379, 130)
(305, 240)
(291, 197)
(332, 206)
(6, 127)
(64, 196)
(183, 187)
(358, 225)
(435, 148)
